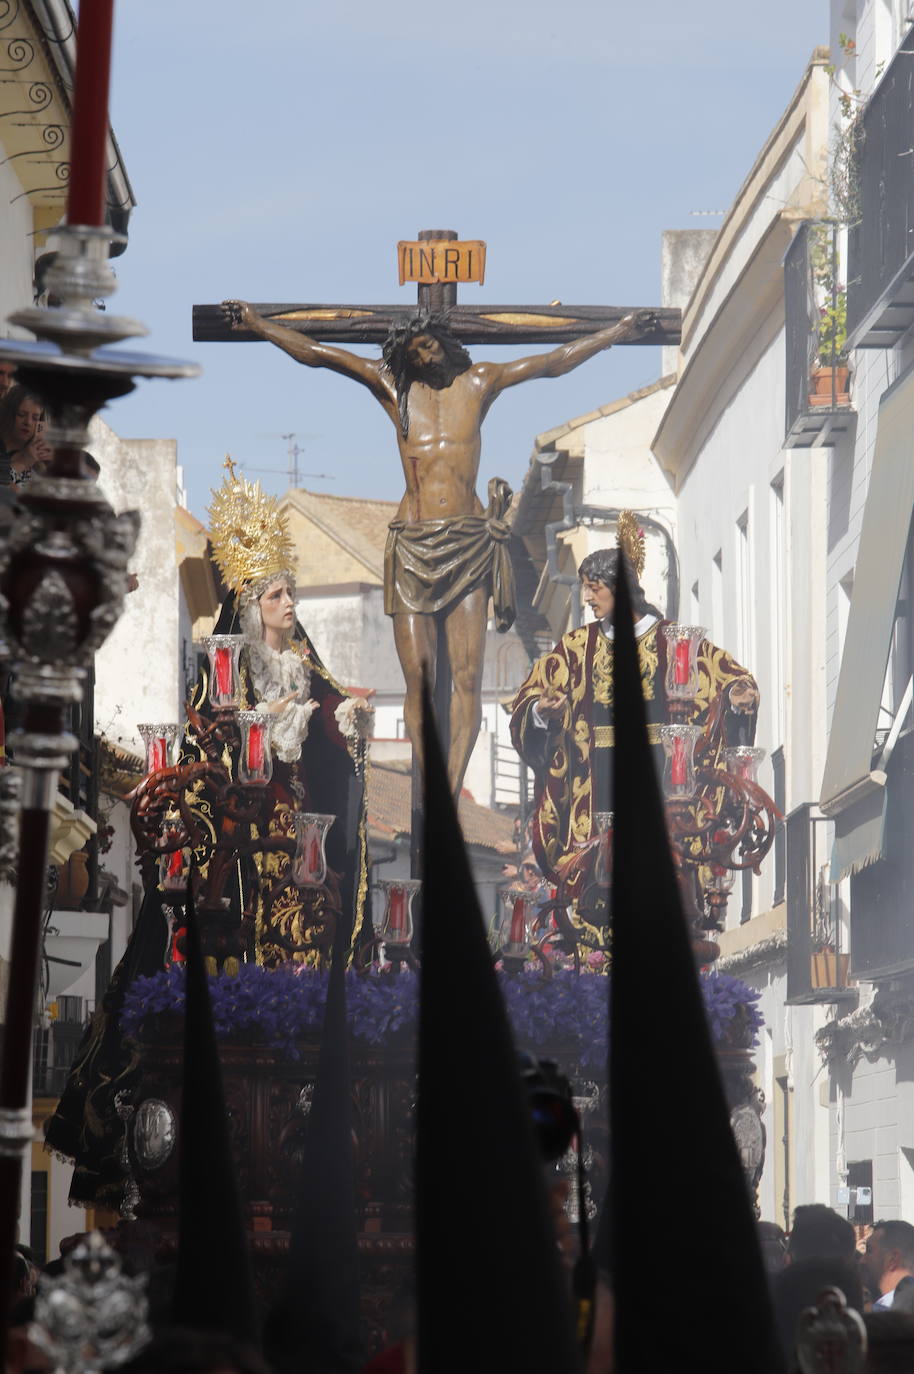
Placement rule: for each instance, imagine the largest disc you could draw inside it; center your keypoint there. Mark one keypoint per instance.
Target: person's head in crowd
(890, 1342)
(7, 377)
(22, 1355)
(798, 1287)
(21, 412)
(888, 1258)
(773, 1242)
(819, 1231)
(529, 872)
(23, 1279)
(181, 1350)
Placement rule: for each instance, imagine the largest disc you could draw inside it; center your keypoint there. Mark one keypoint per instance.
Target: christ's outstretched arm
(570, 355)
(308, 351)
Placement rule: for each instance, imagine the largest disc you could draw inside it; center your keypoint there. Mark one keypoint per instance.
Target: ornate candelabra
(180, 844)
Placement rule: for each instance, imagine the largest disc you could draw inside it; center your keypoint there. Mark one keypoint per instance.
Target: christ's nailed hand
(238, 314)
(644, 322)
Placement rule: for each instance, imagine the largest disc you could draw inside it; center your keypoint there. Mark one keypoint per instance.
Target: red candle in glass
(255, 749)
(89, 129)
(313, 861)
(223, 661)
(157, 754)
(518, 922)
(176, 956)
(678, 768)
(681, 666)
(396, 924)
(175, 864)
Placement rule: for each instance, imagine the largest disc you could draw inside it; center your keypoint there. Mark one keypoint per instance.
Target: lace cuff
(290, 729)
(355, 718)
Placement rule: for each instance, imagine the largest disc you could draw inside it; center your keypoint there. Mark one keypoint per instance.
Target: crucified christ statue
(445, 554)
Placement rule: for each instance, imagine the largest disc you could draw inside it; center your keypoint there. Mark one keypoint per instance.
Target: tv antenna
(292, 472)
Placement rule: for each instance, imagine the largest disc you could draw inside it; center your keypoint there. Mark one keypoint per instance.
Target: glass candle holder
(722, 879)
(173, 866)
(682, 643)
(517, 922)
(255, 763)
(309, 863)
(160, 745)
(679, 767)
(602, 821)
(742, 761)
(224, 678)
(397, 922)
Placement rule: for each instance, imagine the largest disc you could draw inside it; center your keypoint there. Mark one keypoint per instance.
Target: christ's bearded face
(428, 361)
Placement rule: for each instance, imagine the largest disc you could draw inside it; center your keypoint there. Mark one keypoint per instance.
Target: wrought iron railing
(817, 959)
(817, 399)
(54, 1049)
(880, 287)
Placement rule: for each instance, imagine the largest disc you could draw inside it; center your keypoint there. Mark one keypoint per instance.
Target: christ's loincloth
(430, 565)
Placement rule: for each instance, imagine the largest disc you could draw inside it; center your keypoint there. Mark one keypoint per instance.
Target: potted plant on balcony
(829, 374)
(828, 969)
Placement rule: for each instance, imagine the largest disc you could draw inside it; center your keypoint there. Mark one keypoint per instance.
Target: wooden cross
(483, 324)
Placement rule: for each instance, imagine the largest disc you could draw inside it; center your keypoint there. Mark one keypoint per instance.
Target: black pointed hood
(491, 1294)
(683, 1232)
(214, 1285)
(316, 1326)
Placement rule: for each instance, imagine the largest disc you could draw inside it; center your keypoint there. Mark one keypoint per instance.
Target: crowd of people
(871, 1266)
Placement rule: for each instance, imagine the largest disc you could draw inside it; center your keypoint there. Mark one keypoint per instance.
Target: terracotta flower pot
(72, 881)
(821, 379)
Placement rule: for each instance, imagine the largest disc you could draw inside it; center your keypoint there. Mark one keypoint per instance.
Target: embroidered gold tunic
(571, 759)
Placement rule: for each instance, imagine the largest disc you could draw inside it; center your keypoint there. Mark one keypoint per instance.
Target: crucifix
(446, 554)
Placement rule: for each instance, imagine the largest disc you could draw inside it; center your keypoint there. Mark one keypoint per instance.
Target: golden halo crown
(249, 534)
(630, 539)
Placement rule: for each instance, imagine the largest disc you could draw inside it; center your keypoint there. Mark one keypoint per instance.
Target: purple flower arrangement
(732, 1011)
(283, 1007)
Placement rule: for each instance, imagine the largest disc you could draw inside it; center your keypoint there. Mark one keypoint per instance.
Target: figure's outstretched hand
(276, 708)
(551, 706)
(239, 314)
(744, 696)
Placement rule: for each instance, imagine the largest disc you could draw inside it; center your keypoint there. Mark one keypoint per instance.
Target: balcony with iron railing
(54, 1046)
(818, 962)
(882, 932)
(818, 404)
(880, 284)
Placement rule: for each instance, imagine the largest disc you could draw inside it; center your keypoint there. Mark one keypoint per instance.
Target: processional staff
(63, 569)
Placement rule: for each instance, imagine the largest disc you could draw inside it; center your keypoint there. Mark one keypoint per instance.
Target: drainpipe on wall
(567, 522)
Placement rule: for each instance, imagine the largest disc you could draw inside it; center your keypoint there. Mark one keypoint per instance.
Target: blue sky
(279, 152)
